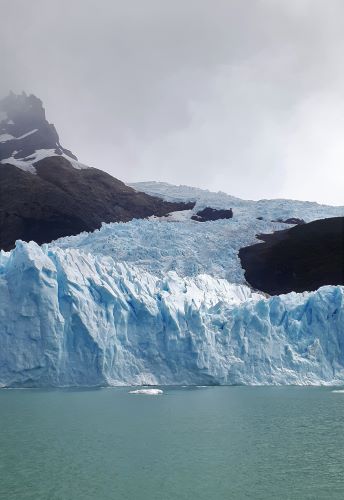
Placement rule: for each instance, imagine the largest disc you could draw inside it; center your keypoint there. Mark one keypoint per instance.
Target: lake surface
(212, 443)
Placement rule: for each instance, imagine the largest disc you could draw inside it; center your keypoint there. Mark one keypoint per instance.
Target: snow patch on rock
(27, 163)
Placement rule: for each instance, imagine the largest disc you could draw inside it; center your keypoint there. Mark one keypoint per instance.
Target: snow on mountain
(9, 137)
(68, 318)
(6, 137)
(27, 163)
(26, 136)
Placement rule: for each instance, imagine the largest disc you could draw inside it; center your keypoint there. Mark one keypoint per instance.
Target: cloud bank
(244, 97)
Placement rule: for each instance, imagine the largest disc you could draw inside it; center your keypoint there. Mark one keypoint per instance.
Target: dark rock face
(60, 200)
(23, 117)
(208, 214)
(291, 220)
(299, 259)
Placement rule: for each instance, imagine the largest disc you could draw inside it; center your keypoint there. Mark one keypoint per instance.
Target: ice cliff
(69, 318)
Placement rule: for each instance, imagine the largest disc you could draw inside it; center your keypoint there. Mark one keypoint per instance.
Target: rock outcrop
(299, 259)
(208, 214)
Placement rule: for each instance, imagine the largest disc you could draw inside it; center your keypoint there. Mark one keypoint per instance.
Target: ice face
(73, 319)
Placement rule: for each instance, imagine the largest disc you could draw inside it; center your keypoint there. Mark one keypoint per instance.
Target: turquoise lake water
(189, 443)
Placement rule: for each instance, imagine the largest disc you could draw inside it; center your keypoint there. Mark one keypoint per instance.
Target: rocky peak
(24, 130)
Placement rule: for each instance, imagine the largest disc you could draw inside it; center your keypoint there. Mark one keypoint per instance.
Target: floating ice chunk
(149, 392)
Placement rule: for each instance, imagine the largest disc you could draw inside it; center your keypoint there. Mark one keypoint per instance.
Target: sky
(242, 96)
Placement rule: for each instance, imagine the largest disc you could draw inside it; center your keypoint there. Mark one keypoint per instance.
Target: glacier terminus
(69, 318)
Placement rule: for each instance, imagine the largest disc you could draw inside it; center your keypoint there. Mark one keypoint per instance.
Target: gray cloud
(245, 97)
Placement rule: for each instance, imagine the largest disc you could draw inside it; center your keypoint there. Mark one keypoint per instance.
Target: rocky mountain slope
(45, 193)
(24, 131)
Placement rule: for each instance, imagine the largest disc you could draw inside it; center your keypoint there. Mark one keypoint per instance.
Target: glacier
(177, 243)
(189, 248)
(72, 318)
(244, 210)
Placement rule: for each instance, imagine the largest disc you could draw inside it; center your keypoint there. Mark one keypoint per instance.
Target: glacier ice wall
(72, 319)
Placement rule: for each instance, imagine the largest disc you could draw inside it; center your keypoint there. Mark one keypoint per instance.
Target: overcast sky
(243, 96)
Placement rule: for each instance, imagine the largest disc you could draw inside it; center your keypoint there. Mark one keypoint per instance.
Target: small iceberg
(150, 392)
(338, 391)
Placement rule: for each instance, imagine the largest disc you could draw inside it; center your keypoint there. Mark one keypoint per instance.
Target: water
(202, 443)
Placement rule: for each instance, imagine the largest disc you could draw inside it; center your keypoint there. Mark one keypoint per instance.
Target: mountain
(45, 193)
(162, 291)
(25, 134)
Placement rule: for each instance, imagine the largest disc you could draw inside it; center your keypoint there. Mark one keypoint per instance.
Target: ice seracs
(188, 247)
(68, 318)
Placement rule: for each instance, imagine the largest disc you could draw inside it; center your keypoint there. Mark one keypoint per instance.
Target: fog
(240, 96)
